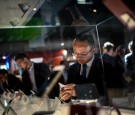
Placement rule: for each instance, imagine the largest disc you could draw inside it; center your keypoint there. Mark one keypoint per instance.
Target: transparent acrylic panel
(51, 29)
(118, 62)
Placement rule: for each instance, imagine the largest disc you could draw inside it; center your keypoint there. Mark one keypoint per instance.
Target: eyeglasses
(81, 55)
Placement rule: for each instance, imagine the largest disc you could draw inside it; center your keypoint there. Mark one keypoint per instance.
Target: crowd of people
(106, 71)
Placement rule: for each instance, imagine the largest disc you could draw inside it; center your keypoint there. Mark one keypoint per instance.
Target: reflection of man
(34, 74)
(83, 51)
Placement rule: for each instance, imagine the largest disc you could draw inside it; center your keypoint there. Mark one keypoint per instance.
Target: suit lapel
(91, 68)
(36, 73)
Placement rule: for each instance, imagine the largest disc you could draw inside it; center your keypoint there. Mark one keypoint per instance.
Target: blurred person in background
(105, 45)
(111, 67)
(114, 70)
(128, 56)
(121, 51)
(34, 75)
(108, 53)
(120, 62)
(129, 60)
(9, 81)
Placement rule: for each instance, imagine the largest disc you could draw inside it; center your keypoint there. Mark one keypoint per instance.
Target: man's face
(82, 51)
(22, 63)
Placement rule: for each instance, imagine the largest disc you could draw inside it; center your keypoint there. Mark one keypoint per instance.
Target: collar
(32, 66)
(90, 62)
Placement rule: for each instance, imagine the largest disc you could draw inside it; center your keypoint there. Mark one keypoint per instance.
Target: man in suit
(84, 53)
(34, 75)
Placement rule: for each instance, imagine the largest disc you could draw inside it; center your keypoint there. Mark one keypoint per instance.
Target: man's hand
(66, 92)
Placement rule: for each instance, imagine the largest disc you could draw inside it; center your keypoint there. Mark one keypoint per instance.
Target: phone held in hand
(62, 86)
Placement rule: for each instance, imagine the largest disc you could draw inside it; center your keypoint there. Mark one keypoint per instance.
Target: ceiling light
(34, 9)
(3, 57)
(84, 1)
(94, 10)
(62, 44)
(65, 52)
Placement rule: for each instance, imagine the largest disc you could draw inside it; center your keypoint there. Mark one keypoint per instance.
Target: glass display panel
(46, 29)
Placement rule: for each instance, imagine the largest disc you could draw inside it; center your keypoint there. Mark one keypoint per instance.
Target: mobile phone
(62, 86)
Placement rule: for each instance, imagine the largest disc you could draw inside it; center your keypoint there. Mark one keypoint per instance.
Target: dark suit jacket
(55, 91)
(13, 83)
(130, 66)
(95, 75)
(113, 71)
(42, 72)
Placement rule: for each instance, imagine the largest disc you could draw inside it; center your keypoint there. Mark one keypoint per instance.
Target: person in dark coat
(84, 53)
(34, 75)
(9, 81)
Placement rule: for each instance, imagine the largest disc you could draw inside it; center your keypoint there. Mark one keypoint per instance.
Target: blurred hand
(66, 92)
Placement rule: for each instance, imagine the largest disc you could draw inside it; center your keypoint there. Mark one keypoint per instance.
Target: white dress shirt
(32, 77)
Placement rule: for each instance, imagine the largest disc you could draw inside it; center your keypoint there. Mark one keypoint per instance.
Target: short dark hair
(3, 71)
(85, 37)
(21, 55)
(108, 46)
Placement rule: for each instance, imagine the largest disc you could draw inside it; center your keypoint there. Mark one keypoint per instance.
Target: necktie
(84, 67)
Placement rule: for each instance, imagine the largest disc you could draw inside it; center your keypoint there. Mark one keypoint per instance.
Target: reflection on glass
(119, 75)
(47, 33)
